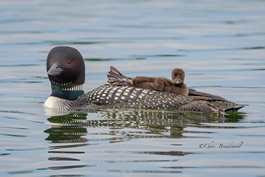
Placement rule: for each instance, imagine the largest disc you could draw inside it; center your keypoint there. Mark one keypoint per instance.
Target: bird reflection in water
(67, 129)
(72, 127)
(72, 133)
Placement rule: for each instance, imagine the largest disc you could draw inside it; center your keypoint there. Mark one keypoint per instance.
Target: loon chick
(66, 72)
(176, 85)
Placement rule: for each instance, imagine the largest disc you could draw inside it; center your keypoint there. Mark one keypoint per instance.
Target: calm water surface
(220, 44)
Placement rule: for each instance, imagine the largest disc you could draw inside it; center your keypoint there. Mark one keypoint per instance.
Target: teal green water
(220, 44)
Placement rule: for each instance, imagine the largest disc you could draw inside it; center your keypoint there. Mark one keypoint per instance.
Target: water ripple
(112, 59)
(63, 159)
(13, 135)
(170, 153)
(69, 167)
(146, 171)
(16, 112)
(67, 152)
(217, 166)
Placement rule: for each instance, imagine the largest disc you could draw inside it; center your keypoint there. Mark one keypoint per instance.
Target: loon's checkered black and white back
(131, 97)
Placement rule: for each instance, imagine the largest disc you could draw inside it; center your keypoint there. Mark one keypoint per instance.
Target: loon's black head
(178, 76)
(66, 72)
(65, 65)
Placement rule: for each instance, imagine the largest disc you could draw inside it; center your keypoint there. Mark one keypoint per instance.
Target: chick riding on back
(176, 85)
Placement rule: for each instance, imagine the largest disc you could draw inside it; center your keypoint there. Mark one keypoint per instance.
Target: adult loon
(66, 72)
(176, 85)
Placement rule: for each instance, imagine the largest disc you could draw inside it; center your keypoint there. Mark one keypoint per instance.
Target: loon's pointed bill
(177, 81)
(66, 72)
(55, 70)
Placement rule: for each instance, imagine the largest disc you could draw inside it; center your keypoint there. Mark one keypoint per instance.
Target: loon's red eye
(69, 61)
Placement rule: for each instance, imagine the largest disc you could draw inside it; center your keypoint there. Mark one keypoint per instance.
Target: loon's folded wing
(195, 93)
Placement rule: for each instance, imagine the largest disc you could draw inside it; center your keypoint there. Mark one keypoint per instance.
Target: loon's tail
(116, 78)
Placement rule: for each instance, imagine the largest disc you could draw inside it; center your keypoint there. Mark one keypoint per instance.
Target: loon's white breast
(53, 102)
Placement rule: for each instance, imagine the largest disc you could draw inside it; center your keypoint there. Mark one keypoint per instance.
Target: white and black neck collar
(66, 91)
